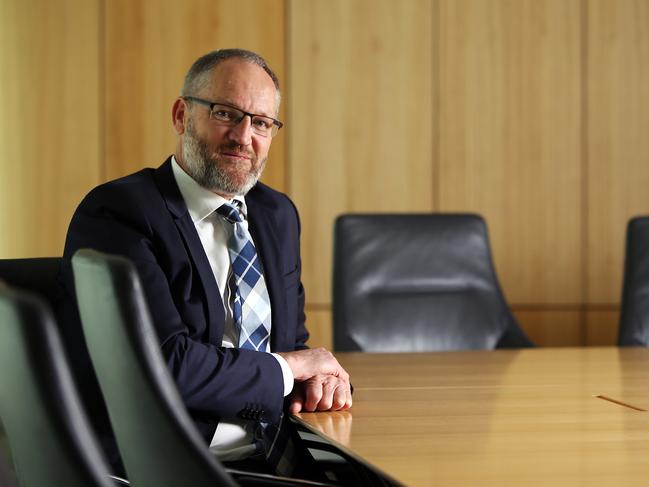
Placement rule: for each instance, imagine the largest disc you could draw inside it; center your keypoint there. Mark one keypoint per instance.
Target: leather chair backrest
(417, 282)
(49, 436)
(634, 316)
(155, 435)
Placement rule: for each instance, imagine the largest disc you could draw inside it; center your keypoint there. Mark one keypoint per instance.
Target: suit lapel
(178, 209)
(263, 229)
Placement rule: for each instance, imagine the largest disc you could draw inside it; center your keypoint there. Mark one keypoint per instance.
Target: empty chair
(38, 274)
(634, 317)
(159, 443)
(417, 282)
(50, 439)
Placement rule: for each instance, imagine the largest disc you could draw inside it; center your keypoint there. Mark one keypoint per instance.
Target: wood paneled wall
(360, 112)
(534, 113)
(616, 128)
(149, 46)
(50, 119)
(510, 147)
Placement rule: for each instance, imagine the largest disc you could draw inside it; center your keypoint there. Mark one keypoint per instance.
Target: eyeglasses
(231, 116)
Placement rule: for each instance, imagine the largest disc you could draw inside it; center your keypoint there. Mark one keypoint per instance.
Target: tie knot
(230, 211)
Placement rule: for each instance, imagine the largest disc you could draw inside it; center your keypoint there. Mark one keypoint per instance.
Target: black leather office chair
(634, 317)
(417, 282)
(50, 438)
(38, 274)
(159, 444)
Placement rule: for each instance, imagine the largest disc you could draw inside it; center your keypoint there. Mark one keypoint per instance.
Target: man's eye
(262, 123)
(222, 114)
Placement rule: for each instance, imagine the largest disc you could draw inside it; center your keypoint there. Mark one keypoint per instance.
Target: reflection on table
(530, 417)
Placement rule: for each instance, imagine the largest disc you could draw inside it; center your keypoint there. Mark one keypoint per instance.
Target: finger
(296, 399)
(312, 394)
(295, 406)
(329, 387)
(348, 401)
(340, 398)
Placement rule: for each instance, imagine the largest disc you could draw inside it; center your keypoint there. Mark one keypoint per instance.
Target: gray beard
(206, 171)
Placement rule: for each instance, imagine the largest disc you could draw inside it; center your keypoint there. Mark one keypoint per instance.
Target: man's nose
(242, 131)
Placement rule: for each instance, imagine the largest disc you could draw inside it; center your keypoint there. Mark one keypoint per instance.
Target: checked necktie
(251, 304)
(251, 314)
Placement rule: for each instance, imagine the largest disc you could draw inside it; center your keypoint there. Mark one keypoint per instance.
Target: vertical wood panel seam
(102, 95)
(584, 156)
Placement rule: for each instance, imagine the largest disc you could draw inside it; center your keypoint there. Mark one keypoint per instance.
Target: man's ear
(178, 112)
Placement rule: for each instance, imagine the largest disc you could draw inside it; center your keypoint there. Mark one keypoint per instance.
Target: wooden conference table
(523, 418)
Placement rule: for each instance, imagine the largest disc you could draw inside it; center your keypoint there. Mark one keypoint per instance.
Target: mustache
(236, 149)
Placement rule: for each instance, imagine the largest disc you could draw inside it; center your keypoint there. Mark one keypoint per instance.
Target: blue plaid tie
(251, 304)
(251, 314)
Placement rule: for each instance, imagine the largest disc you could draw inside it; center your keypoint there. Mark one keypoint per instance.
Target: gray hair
(198, 75)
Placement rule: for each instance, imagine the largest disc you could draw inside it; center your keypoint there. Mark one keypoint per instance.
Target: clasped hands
(321, 384)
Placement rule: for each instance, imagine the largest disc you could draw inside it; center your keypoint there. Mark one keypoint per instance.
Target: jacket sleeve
(214, 382)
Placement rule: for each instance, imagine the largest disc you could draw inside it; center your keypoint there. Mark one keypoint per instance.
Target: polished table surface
(530, 417)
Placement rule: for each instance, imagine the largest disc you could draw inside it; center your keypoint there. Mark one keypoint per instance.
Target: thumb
(296, 400)
(296, 404)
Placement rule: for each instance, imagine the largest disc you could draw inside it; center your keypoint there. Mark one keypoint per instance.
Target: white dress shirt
(232, 439)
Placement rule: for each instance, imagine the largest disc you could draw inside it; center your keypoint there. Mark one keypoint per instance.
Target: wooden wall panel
(150, 45)
(602, 325)
(618, 136)
(551, 327)
(50, 124)
(361, 117)
(510, 140)
(534, 113)
(319, 325)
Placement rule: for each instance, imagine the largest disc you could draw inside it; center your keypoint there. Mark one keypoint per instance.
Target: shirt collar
(200, 202)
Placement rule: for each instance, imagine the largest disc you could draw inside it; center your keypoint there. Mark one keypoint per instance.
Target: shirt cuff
(286, 372)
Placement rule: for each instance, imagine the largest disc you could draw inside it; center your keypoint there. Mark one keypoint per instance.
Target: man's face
(227, 160)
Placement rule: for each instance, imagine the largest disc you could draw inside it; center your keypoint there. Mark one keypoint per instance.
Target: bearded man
(231, 339)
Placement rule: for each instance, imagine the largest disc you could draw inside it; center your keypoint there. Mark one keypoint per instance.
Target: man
(186, 226)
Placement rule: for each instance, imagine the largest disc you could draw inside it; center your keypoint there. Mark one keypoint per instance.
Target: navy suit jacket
(144, 217)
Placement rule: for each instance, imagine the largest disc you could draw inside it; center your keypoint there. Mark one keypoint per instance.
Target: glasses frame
(212, 104)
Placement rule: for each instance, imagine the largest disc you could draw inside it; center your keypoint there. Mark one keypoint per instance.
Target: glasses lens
(261, 125)
(226, 114)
